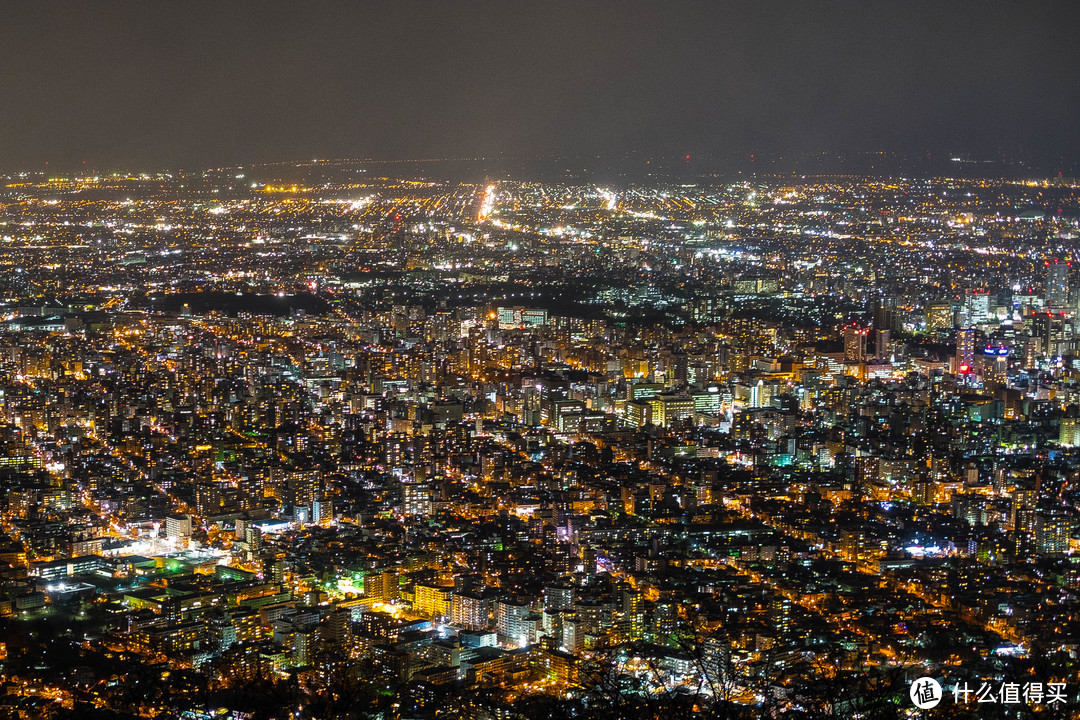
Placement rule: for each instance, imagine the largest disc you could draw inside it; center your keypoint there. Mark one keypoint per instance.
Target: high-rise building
(470, 611)
(884, 312)
(516, 623)
(417, 499)
(432, 600)
(976, 306)
(854, 344)
(558, 598)
(1049, 332)
(382, 586)
(1057, 283)
(337, 630)
(1052, 532)
(939, 316)
(1069, 434)
(965, 350)
(881, 343)
(178, 527)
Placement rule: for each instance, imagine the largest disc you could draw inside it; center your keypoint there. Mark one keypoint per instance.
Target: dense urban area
(314, 441)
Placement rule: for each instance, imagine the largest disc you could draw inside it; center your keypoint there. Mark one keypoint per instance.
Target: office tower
(884, 313)
(1057, 283)
(881, 343)
(854, 344)
(965, 350)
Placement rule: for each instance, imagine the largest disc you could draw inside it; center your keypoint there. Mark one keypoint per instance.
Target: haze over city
(145, 87)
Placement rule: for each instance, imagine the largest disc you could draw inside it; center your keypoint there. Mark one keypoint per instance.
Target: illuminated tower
(854, 344)
(965, 350)
(977, 306)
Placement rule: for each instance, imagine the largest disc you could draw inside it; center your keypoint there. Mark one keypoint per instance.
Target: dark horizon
(615, 170)
(153, 87)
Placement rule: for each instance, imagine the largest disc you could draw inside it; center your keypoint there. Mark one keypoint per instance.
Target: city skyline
(553, 360)
(321, 440)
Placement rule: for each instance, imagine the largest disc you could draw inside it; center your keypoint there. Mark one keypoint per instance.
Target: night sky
(149, 85)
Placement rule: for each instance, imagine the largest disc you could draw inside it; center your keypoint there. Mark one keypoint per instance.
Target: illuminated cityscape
(546, 360)
(368, 444)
